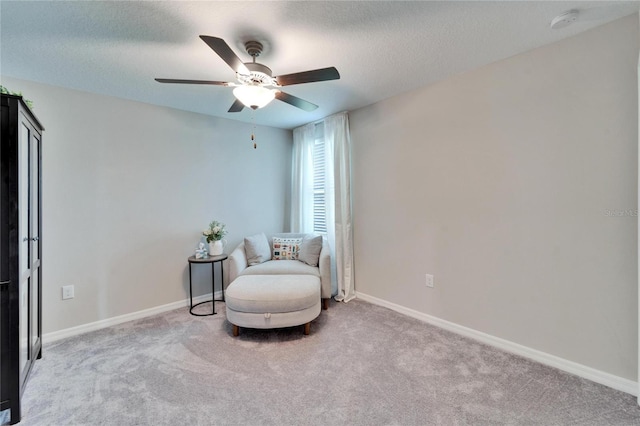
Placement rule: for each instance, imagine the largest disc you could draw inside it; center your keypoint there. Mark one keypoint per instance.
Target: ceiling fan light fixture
(254, 96)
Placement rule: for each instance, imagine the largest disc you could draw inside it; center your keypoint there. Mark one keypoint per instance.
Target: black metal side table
(212, 260)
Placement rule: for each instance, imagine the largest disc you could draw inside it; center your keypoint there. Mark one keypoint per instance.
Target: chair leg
(325, 304)
(236, 330)
(307, 328)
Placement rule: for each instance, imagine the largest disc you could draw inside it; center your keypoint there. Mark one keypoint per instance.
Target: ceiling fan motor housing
(260, 75)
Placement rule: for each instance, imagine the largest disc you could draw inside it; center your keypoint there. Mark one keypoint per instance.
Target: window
(321, 193)
(319, 204)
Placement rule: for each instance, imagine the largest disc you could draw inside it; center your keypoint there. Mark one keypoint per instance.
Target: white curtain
(302, 179)
(638, 77)
(337, 142)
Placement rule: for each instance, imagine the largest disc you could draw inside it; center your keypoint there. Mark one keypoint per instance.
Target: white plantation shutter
(319, 202)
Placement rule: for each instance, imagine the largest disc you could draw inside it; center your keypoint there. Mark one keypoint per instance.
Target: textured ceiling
(380, 48)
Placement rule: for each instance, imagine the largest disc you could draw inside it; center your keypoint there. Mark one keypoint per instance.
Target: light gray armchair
(238, 265)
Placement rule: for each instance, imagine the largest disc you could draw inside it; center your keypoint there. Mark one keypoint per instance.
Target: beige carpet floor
(361, 365)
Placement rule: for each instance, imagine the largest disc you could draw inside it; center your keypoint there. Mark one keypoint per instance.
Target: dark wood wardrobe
(20, 250)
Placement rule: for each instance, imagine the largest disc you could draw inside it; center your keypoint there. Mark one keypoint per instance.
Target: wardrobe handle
(2, 283)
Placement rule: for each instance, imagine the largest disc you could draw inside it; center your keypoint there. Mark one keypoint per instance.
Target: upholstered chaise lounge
(281, 285)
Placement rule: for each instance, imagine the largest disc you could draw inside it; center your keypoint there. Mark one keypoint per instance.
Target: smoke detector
(564, 19)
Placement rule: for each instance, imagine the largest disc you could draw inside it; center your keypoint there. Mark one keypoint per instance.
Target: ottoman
(273, 301)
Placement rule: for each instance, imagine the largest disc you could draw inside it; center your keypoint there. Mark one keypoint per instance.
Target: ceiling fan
(256, 85)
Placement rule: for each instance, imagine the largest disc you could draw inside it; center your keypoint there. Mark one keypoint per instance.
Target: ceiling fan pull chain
(253, 130)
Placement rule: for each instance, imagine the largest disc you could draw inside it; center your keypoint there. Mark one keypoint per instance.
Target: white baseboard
(610, 380)
(97, 325)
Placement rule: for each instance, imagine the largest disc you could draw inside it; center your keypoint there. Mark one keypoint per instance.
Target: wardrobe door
(29, 249)
(35, 295)
(24, 271)
(5, 276)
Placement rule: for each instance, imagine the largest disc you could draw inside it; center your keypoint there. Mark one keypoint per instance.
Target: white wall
(499, 182)
(128, 188)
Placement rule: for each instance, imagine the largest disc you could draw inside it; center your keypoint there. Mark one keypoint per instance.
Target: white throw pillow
(286, 248)
(310, 249)
(257, 249)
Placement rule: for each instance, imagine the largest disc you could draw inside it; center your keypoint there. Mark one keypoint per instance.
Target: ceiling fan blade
(224, 51)
(322, 74)
(237, 106)
(214, 83)
(295, 101)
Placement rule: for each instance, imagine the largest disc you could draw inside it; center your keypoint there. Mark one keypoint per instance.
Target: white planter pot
(216, 248)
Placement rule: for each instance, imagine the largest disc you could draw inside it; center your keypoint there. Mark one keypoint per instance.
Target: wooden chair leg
(307, 328)
(236, 330)
(325, 304)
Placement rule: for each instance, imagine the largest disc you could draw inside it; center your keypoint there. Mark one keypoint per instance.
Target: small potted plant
(4, 90)
(214, 234)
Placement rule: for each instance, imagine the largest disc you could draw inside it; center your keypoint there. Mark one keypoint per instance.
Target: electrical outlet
(429, 280)
(67, 292)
